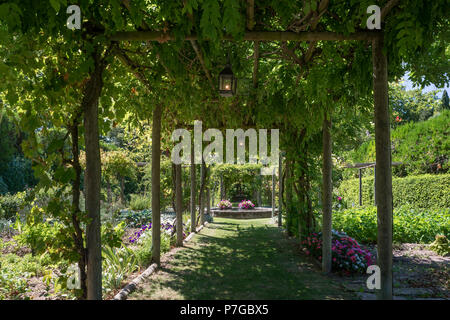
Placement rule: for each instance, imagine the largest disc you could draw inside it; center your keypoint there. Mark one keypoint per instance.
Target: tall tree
(445, 104)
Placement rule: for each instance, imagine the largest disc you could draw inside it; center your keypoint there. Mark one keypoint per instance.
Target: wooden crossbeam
(251, 36)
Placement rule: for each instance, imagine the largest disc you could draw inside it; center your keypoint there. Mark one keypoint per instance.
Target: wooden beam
(383, 178)
(250, 36)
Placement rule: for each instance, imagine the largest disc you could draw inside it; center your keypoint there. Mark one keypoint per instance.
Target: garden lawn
(239, 259)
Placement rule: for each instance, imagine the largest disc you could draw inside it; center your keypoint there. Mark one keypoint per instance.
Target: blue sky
(409, 86)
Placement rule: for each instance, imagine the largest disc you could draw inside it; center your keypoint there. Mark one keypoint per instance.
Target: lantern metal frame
(227, 77)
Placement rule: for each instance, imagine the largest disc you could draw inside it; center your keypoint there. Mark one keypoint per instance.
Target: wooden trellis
(383, 179)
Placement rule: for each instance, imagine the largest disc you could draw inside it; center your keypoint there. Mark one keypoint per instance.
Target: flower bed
(246, 205)
(167, 227)
(347, 255)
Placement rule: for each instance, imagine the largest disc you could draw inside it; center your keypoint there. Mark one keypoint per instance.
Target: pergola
(383, 179)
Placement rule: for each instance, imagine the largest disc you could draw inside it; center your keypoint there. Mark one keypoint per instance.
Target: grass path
(239, 259)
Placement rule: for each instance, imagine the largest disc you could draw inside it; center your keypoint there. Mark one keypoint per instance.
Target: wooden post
(208, 203)
(91, 96)
(258, 191)
(383, 177)
(193, 187)
(280, 189)
(360, 187)
(273, 193)
(201, 197)
(288, 196)
(374, 186)
(327, 190)
(222, 190)
(156, 184)
(179, 204)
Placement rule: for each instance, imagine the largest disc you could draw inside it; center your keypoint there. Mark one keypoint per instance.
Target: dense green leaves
(421, 191)
(410, 225)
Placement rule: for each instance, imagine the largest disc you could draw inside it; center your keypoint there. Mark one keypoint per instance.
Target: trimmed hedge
(421, 191)
(411, 225)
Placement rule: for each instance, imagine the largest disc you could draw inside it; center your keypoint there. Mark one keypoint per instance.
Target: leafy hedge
(421, 146)
(411, 225)
(421, 191)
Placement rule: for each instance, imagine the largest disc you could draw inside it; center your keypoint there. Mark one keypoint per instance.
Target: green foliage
(140, 202)
(118, 164)
(11, 204)
(16, 270)
(234, 175)
(37, 234)
(441, 245)
(118, 263)
(422, 147)
(112, 235)
(421, 191)
(19, 175)
(135, 219)
(3, 187)
(410, 225)
(12, 285)
(7, 141)
(412, 105)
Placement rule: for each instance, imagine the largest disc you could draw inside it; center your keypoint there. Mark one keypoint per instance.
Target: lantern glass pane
(226, 83)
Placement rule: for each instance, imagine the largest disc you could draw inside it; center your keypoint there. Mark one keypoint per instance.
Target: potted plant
(246, 204)
(224, 204)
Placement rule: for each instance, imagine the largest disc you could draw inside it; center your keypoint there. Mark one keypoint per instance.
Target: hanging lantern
(227, 82)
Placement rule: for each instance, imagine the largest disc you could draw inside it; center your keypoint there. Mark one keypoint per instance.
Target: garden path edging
(131, 287)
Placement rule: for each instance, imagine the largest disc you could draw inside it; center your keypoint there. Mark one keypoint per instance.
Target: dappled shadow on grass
(243, 260)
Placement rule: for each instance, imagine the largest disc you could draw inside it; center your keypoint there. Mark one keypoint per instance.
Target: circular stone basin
(236, 213)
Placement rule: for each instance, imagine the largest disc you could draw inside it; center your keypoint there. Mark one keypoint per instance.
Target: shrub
(441, 245)
(421, 191)
(421, 146)
(37, 234)
(410, 225)
(11, 204)
(139, 202)
(347, 254)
